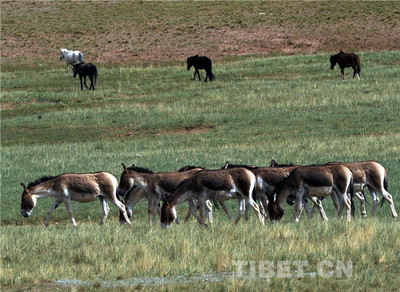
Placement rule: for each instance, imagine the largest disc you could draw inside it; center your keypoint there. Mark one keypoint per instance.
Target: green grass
(293, 109)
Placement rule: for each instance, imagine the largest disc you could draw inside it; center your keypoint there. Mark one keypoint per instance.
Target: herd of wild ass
(264, 189)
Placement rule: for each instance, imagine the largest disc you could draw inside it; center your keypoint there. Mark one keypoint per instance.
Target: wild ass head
(28, 202)
(125, 183)
(168, 213)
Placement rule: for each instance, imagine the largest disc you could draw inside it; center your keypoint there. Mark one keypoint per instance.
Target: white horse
(71, 57)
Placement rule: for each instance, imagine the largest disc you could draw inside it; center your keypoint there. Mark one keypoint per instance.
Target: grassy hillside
(150, 31)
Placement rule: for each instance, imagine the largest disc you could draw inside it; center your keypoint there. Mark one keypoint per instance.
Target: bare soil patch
(159, 32)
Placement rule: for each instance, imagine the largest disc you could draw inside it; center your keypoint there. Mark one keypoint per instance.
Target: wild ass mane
(40, 180)
(140, 169)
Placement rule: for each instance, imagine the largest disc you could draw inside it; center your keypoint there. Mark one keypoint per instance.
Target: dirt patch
(159, 32)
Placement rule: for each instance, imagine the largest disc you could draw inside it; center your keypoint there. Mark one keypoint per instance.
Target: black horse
(347, 60)
(84, 70)
(200, 62)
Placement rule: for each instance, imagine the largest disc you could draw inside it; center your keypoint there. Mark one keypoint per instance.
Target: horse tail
(212, 77)
(95, 76)
(81, 58)
(358, 66)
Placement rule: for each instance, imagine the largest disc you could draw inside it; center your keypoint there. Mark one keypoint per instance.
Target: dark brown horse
(200, 62)
(347, 60)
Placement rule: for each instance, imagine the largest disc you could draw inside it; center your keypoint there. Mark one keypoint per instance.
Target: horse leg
(52, 208)
(80, 78)
(106, 209)
(84, 79)
(91, 82)
(69, 209)
(342, 73)
(198, 74)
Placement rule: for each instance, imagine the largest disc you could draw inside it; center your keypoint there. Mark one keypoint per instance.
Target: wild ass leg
(344, 201)
(226, 210)
(208, 208)
(361, 197)
(52, 208)
(307, 208)
(375, 201)
(121, 208)
(254, 205)
(106, 209)
(69, 209)
(242, 208)
(191, 211)
(152, 210)
(318, 205)
(389, 198)
(298, 206)
(131, 202)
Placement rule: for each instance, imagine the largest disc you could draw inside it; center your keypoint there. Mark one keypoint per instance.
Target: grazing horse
(212, 185)
(84, 70)
(71, 57)
(69, 187)
(200, 62)
(154, 185)
(321, 181)
(347, 60)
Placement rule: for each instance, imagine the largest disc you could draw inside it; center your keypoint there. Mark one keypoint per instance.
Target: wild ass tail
(352, 197)
(385, 186)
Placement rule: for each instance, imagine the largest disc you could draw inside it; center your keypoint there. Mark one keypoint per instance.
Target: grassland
(148, 111)
(288, 108)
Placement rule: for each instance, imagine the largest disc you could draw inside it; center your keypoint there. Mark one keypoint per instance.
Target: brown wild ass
(217, 185)
(321, 181)
(156, 185)
(371, 175)
(136, 194)
(268, 178)
(67, 187)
